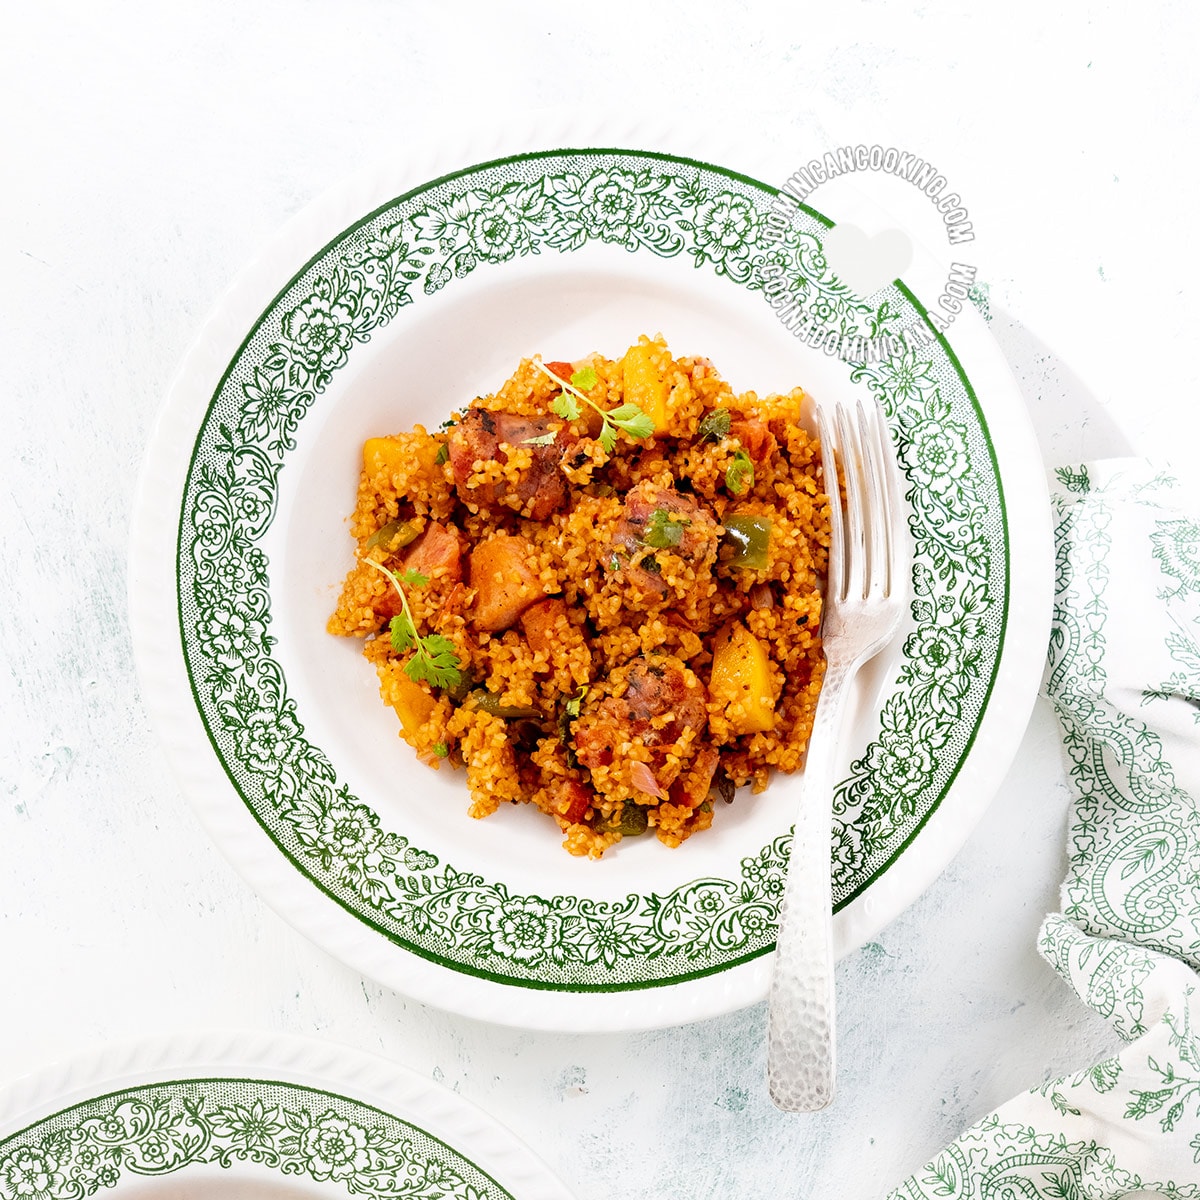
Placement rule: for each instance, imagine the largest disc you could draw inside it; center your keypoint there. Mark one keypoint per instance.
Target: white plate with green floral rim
(253, 1117)
(396, 298)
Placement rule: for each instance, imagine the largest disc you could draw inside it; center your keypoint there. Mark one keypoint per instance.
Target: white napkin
(1124, 677)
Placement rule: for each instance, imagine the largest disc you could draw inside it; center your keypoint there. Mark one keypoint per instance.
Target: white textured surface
(148, 150)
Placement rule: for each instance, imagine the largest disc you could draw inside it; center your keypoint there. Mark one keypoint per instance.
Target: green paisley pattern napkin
(1124, 678)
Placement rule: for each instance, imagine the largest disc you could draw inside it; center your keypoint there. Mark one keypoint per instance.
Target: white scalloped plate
(254, 1117)
(393, 299)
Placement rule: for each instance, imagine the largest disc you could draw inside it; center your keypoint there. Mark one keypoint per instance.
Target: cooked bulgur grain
(610, 572)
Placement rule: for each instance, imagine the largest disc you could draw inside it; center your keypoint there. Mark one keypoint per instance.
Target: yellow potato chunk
(382, 456)
(645, 383)
(741, 680)
(413, 704)
(385, 456)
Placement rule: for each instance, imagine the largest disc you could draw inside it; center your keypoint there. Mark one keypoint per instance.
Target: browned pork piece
(504, 582)
(539, 489)
(660, 518)
(436, 554)
(653, 700)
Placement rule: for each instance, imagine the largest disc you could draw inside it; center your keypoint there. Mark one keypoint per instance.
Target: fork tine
(837, 534)
(856, 504)
(878, 515)
(897, 542)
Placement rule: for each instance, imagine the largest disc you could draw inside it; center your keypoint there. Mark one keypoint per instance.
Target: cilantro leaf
(739, 475)
(628, 417)
(403, 634)
(443, 454)
(664, 529)
(565, 406)
(633, 420)
(435, 661)
(715, 425)
(585, 379)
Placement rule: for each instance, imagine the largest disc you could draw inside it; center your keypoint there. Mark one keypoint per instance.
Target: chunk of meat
(560, 645)
(660, 698)
(757, 440)
(661, 518)
(657, 686)
(387, 605)
(478, 437)
(594, 736)
(541, 624)
(691, 789)
(436, 553)
(575, 800)
(505, 585)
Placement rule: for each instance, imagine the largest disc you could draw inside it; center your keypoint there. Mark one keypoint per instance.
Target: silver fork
(864, 601)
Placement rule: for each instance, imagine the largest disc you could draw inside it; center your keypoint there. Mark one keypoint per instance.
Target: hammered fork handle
(801, 1046)
(862, 608)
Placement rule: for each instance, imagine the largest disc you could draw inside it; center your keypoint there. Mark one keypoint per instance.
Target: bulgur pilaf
(598, 589)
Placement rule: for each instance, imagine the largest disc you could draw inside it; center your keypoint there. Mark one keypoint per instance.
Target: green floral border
(158, 1129)
(417, 245)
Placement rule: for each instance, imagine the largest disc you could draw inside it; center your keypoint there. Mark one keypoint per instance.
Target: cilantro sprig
(435, 659)
(664, 529)
(628, 417)
(739, 475)
(715, 425)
